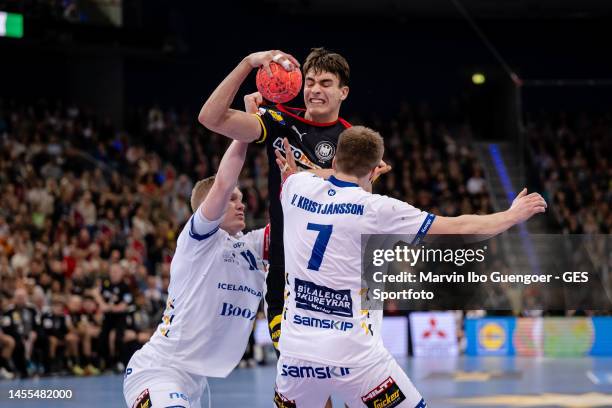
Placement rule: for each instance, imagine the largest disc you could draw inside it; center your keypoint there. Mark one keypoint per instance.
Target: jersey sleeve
(259, 240)
(200, 227)
(269, 119)
(198, 234)
(397, 217)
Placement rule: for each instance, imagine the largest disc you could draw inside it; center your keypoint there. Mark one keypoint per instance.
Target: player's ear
(344, 91)
(334, 163)
(371, 174)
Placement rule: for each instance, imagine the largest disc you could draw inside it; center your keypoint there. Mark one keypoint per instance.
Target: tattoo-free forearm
(484, 225)
(225, 180)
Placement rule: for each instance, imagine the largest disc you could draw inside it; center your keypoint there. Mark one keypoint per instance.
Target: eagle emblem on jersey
(276, 116)
(325, 151)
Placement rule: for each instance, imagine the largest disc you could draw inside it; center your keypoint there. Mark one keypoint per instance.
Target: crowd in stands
(89, 216)
(572, 154)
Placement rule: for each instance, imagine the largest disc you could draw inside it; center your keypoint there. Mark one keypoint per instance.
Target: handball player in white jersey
(216, 285)
(329, 344)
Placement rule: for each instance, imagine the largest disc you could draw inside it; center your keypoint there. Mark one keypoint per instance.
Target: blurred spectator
(21, 321)
(572, 155)
(116, 301)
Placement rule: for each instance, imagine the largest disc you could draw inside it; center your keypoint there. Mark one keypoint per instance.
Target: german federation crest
(324, 151)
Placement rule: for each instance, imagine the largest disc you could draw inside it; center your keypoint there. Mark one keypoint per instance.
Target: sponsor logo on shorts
(322, 323)
(179, 395)
(318, 298)
(143, 400)
(282, 402)
(231, 310)
(321, 373)
(386, 395)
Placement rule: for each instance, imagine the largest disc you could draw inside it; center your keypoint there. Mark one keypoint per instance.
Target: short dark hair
(360, 149)
(200, 191)
(322, 60)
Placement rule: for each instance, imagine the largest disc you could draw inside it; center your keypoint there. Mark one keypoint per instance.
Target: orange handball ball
(282, 86)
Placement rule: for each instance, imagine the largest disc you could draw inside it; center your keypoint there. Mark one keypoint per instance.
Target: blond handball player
(216, 285)
(329, 344)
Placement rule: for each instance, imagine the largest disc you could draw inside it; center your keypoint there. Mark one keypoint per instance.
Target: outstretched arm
(523, 207)
(226, 179)
(216, 113)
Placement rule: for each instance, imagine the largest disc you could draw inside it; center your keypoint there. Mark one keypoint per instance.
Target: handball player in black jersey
(312, 133)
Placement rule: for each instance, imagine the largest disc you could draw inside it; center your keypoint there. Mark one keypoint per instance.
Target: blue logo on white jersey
(237, 311)
(318, 298)
(331, 192)
(312, 206)
(238, 288)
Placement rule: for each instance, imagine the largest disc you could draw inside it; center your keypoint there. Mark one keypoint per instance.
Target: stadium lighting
(478, 78)
(11, 25)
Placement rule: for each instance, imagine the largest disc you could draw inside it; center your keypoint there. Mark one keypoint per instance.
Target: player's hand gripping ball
(282, 86)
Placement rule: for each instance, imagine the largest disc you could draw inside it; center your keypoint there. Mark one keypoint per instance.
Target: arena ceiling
(446, 9)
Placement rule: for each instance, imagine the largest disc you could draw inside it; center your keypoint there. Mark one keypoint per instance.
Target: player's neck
(231, 232)
(327, 118)
(361, 182)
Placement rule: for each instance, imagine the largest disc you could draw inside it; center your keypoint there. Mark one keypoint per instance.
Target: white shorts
(146, 384)
(301, 383)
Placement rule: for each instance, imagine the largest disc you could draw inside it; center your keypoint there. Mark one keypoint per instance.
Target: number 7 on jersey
(320, 244)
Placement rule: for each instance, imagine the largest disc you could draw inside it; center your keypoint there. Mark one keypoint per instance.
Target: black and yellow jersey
(314, 146)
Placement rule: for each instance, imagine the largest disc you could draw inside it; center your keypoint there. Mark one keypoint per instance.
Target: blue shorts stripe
(421, 404)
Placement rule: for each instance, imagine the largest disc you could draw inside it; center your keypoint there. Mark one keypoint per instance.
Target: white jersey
(216, 285)
(323, 222)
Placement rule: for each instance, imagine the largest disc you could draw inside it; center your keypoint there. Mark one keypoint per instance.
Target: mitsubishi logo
(433, 330)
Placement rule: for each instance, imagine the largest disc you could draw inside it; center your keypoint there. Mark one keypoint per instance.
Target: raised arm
(216, 113)
(216, 200)
(523, 207)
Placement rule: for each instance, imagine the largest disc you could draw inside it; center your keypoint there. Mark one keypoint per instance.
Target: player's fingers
(284, 60)
(266, 66)
(281, 164)
(293, 60)
(289, 153)
(522, 193)
(539, 209)
(535, 196)
(279, 156)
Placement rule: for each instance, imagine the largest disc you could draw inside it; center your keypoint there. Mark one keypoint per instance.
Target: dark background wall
(174, 53)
